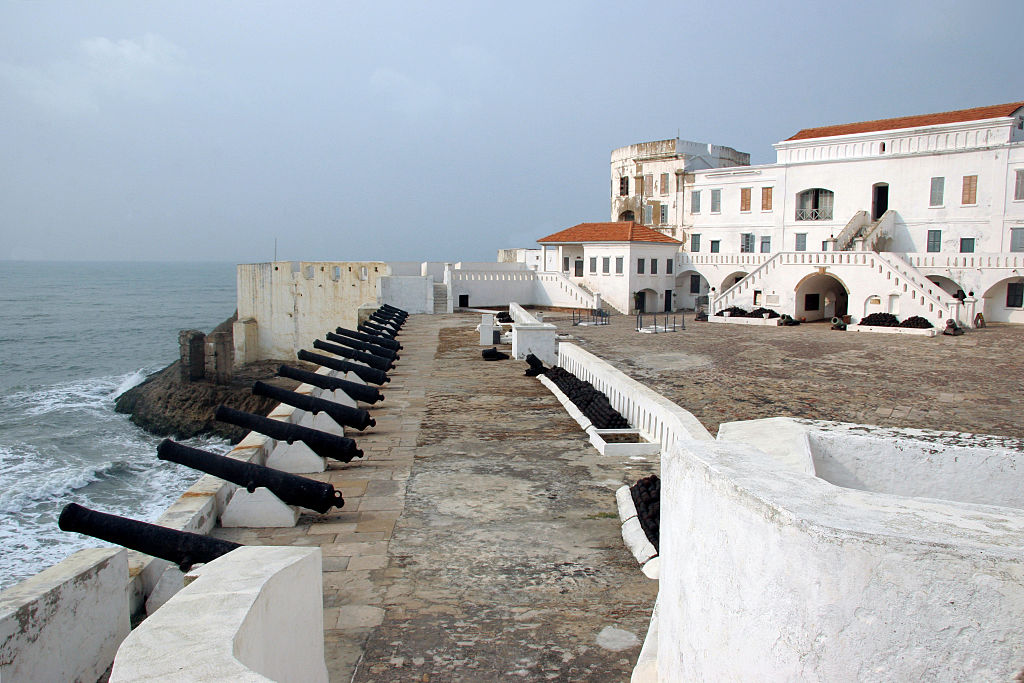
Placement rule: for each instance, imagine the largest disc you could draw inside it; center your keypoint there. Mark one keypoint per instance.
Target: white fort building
(919, 215)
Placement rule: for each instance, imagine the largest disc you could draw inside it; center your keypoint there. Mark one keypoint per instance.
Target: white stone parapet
(254, 614)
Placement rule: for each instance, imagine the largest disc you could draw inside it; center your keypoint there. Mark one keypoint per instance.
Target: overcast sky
(427, 131)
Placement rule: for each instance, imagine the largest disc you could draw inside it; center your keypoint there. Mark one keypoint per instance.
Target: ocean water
(74, 336)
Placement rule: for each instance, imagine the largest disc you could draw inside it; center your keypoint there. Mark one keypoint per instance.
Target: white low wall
(66, 622)
(772, 574)
(654, 416)
(530, 335)
(255, 614)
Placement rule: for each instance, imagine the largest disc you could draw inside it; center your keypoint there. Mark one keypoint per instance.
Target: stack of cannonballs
(589, 400)
(646, 495)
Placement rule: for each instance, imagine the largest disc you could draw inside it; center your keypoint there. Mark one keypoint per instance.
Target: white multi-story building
(900, 215)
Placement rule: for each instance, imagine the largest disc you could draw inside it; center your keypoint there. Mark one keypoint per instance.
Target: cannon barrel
(323, 444)
(371, 327)
(362, 336)
(366, 347)
(363, 372)
(342, 414)
(290, 488)
(180, 547)
(359, 392)
(396, 309)
(386, 322)
(388, 316)
(373, 361)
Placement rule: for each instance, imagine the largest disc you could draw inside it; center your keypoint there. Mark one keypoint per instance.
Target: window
(715, 246)
(695, 201)
(1018, 189)
(812, 302)
(716, 201)
(745, 199)
(593, 264)
(664, 213)
(648, 214)
(639, 266)
(679, 181)
(814, 205)
(746, 243)
(694, 283)
(938, 189)
(565, 264)
(664, 183)
(766, 244)
(618, 265)
(801, 241)
(624, 186)
(648, 185)
(824, 245)
(934, 240)
(694, 243)
(970, 191)
(654, 266)
(668, 266)
(606, 265)
(766, 198)
(1015, 294)
(966, 245)
(1016, 239)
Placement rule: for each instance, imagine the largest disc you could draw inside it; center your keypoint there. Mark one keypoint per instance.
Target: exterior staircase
(862, 234)
(440, 298)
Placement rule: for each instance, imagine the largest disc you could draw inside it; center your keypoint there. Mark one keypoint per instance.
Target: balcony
(822, 214)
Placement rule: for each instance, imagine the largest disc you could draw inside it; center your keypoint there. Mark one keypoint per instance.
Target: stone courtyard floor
(479, 539)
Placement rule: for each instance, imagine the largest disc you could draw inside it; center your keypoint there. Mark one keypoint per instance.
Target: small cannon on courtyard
(383, 364)
(370, 327)
(388, 308)
(342, 414)
(291, 489)
(359, 392)
(323, 444)
(180, 547)
(387, 320)
(365, 347)
(363, 372)
(362, 336)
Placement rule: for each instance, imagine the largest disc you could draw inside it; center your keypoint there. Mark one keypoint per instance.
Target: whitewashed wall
(413, 294)
(769, 574)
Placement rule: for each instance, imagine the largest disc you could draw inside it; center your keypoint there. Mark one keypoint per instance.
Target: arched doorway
(691, 290)
(645, 301)
(627, 215)
(820, 296)
(1004, 301)
(731, 279)
(947, 285)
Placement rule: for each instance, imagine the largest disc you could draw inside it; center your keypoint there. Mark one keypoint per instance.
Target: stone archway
(821, 296)
(1004, 301)
(627, 215)
(731, 279)
(691, 290)
(949, 286)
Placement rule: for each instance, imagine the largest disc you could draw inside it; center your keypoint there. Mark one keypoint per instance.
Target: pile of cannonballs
(589, 400)
(646, 495)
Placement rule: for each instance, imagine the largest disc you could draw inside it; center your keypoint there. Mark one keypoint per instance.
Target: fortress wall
(768, 572)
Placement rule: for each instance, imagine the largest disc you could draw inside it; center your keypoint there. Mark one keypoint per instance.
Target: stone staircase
(440, 298)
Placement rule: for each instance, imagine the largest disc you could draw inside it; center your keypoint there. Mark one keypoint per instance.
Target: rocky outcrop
(165, 405)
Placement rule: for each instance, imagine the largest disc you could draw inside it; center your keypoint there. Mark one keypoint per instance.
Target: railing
(993, 260)
(727, 259)
(824, 214)
(576, 295)
(880, 228)
(848, 233)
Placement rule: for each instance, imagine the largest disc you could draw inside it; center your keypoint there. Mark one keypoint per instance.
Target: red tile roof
(961, 115)
(622, 231)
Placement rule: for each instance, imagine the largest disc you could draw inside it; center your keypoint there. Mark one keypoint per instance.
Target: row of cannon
(368, 352)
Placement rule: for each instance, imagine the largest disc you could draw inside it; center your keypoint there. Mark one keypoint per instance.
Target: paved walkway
(479, 539)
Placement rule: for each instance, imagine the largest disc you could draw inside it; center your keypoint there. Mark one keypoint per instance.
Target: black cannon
(323, 444)
(290, 488)
(342, 414)
(386, 322)
(371, 327)
(396, 309)
(363, 372)
(359, 392)
(180, 547)
(362, 336)
(373, 361)
(366, 347)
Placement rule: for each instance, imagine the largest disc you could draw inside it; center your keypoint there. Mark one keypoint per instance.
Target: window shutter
(745, 199)
(1018, 190)
(766, 198)
(664, 183)
(970, 190)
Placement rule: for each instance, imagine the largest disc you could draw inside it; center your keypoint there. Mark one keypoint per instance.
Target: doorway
(579, 268)
(640, 300)
(879, 200)
(668, 300)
